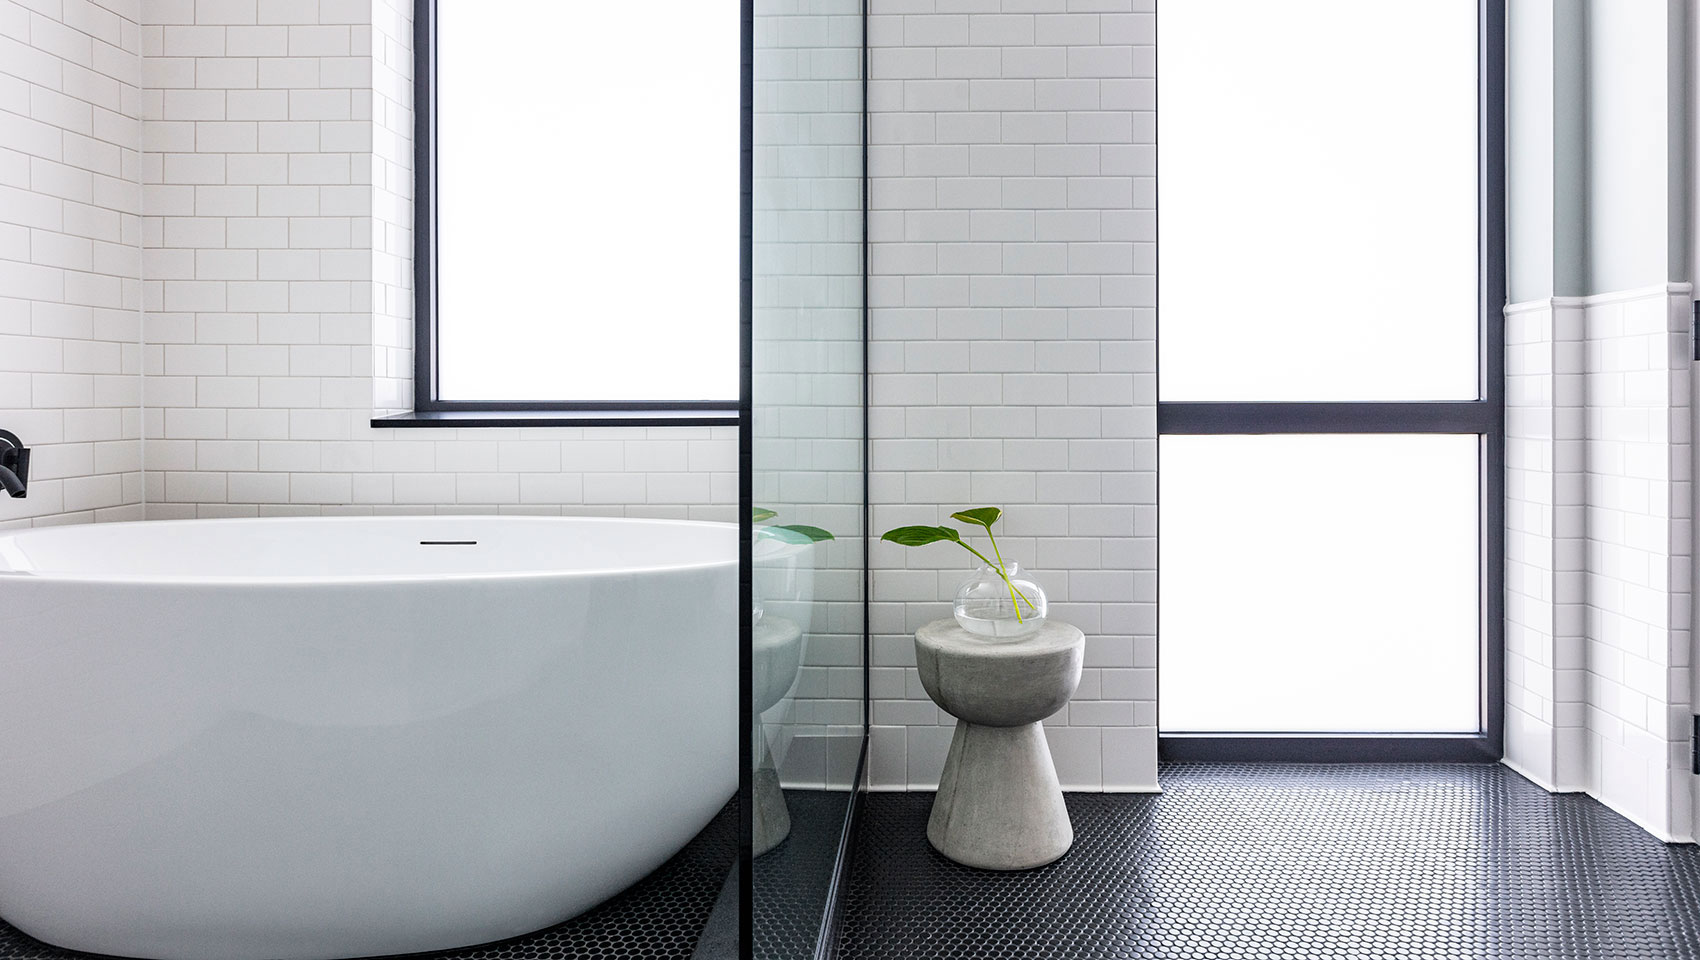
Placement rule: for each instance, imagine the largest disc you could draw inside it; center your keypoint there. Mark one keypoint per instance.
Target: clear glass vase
(985, 608)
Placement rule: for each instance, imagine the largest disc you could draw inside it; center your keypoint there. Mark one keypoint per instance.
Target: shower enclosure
(807, 476)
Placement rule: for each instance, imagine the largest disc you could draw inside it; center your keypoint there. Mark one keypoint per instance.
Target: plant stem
(1013, 593)
(983, 558)
(1002, 573)
(1005, 576)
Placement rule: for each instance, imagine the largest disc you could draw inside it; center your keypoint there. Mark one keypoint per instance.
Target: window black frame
(428, 409)
(1484, 417)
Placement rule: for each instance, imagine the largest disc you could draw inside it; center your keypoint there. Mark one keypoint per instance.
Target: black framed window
(1330, 380)
(577, 191)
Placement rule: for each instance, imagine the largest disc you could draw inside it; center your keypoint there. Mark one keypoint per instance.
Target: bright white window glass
(1318, 583)
(1316, 198)
(588, 195)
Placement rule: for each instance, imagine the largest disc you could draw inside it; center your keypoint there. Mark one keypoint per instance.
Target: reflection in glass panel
(808, 448)
(1319, 583)
(1318, 200)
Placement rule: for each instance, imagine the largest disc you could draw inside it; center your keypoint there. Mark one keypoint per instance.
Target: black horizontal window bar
(448, 543)
(1469, 416)
(580, 406)
(1330, 748)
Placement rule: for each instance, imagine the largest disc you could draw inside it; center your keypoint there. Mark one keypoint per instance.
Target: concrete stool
(999, 806)
(778, 653)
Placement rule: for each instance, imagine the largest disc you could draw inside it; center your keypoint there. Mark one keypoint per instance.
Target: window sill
(560, 418)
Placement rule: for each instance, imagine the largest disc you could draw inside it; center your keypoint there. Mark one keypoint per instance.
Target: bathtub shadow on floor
(660, 916)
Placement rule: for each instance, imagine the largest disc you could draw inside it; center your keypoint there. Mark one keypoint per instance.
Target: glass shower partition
(809, 456)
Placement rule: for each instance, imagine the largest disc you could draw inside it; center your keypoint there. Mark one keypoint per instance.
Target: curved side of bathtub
(210, 771)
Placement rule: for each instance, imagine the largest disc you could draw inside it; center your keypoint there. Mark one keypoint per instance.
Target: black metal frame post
(1491, 190)
(424, 199)
(746, 482)
(1484, 417)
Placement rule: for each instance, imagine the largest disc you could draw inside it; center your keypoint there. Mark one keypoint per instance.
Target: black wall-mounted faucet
(14, 464)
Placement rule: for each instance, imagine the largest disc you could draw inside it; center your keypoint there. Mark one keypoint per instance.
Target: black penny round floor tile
(1290, 862)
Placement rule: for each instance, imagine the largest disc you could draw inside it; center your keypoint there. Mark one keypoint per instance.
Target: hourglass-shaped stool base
(777, 653)
(999, 805)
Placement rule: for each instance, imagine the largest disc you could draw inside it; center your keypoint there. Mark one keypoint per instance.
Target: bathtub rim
(362, 579)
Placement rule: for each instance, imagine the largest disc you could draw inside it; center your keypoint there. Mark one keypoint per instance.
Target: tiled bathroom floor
(657, 918)
(1256, 862)
(792, 880)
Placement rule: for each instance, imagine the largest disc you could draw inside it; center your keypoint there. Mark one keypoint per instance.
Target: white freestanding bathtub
(315, 738)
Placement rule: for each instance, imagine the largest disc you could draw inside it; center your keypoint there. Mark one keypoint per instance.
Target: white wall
(1597, 149)
(70, 287)
(1545, 120)
(1529, 103)
(218, 193)
(1636, 198)
(1013, 238)
(1545, 542)
(1599, 498)
(1639, 547)
(1599, 507)
(1013, 362)
(278, 267)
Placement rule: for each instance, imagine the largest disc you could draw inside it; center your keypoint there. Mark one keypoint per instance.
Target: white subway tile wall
(70, 263)
(1013, 296)
(1545, 542)
(205, 240)
(1599, 550)
(391, 142)
(278, 265)
(1639, 496)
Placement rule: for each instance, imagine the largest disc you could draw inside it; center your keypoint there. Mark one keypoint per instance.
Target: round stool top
(948, 637)
(999, 683)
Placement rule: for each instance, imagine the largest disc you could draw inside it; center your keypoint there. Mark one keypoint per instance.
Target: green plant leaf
(813, 534)
(758, 514)
(980, 516)
(920, 536)
(782, 534)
